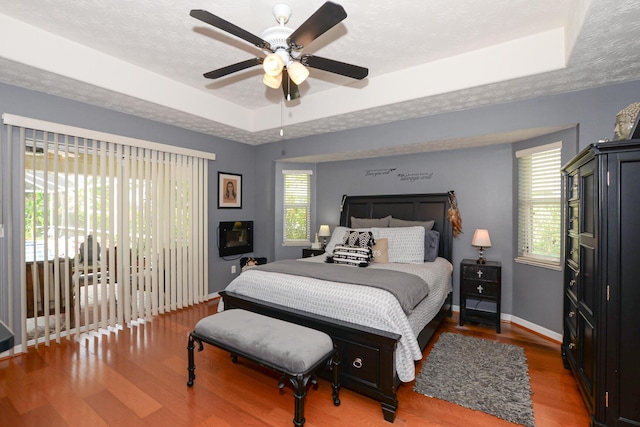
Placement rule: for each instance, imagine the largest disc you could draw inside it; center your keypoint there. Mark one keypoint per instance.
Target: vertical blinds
(113, 233)
(539, 203)
(297, 206)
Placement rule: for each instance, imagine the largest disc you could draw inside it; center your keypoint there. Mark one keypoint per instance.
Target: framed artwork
(229, 190)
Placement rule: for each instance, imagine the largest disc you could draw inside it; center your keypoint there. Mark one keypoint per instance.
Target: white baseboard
(536, 328)
(525, 324)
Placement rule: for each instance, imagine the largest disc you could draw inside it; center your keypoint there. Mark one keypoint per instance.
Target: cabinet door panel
(588, 196)
(587, 356)
(628, 340)
(588, 282)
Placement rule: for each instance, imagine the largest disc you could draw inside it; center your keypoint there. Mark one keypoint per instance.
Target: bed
(378, 354)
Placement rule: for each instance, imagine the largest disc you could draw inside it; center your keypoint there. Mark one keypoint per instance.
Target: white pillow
(406, 244)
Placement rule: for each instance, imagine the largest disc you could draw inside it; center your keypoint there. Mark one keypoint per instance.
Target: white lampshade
(272, 81)
(297, 72)
(273, 64)
(481, 238)
(324, 229)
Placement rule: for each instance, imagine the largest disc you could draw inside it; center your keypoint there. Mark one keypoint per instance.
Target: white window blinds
(114, 230)
(297, 207)
(539, 203)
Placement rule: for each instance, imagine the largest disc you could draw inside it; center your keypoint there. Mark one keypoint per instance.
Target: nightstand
(480, 288)
(308, 252)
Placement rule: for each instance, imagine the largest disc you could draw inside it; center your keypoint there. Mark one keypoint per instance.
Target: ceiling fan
(285, 65)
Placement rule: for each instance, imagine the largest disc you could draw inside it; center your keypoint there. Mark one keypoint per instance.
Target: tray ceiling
(147, 57)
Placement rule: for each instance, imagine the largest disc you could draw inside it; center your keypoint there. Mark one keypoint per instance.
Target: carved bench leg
(299, 383)
(192, 365)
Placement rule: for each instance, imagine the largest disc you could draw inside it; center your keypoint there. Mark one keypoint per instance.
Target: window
(539, 204)
(297, 207)
(119, 224)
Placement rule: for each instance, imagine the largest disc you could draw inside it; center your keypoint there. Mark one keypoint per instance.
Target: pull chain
(281, 129)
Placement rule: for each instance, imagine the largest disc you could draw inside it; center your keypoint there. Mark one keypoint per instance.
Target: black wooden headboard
(413, 207)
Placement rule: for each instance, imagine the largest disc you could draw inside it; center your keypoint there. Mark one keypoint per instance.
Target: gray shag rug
(479, 374)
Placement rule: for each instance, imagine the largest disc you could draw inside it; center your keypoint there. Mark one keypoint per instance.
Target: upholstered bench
(293, 350)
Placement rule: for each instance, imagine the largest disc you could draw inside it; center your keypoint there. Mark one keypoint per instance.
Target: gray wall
(483, 178)
(483, 192)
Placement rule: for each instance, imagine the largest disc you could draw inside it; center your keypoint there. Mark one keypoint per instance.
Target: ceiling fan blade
(333, 66)
(218, 22)
(290, 89)
(221, 72)
(325, 18)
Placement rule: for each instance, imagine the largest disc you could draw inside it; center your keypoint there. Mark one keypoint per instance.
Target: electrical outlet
(233, 269)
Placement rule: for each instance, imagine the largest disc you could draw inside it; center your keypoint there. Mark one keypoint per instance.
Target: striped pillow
(363, 239)
(351, 255)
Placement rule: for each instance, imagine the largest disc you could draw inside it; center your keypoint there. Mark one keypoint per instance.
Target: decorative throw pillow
(351, 255)
(338, 237)
(370, 222)
(363, 239)
(381, 251)
(431, 245)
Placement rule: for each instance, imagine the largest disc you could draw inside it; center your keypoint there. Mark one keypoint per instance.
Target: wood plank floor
(138, 377)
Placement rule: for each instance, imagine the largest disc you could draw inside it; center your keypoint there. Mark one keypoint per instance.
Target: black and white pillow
(351, 255)
(363, 239)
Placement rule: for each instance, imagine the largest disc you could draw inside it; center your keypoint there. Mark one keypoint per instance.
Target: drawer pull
(572, 282)
(574, 218)
(572, 346)
(572, 251)
(572, 314)
(357, 363)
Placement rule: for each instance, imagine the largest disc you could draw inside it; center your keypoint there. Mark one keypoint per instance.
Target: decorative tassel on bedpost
(453, 214)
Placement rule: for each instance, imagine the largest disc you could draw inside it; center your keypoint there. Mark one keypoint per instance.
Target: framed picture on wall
(229, 190)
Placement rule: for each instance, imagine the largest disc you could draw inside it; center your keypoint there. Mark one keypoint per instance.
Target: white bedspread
(357, 304)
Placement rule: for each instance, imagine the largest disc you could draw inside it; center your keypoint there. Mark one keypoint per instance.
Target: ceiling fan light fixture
(297, 72)
(285, 66)
(273, 64)
(272, 81)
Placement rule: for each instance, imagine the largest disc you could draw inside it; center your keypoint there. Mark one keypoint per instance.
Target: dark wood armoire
(601, 337)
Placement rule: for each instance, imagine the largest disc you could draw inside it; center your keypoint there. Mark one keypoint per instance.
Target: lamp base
(481, 256)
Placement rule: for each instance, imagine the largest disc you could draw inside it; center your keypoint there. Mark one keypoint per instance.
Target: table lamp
(481, 240)
(324, 232)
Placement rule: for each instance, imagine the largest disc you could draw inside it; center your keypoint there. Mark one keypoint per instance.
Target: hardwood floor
(138, 378)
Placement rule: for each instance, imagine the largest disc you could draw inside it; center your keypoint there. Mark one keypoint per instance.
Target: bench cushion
(289, 347)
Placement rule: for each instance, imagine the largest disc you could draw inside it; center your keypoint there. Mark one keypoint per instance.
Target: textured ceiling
(147, 57)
